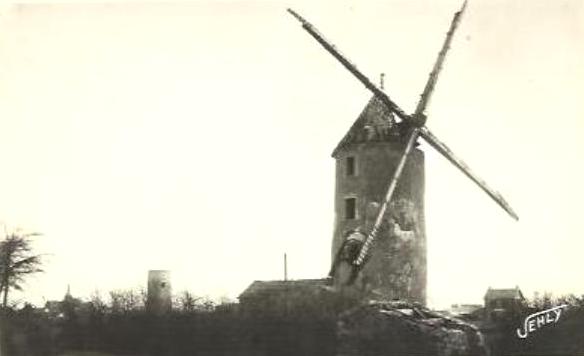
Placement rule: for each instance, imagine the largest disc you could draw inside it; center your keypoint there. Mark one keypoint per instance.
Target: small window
(350, 208)
(350, 166)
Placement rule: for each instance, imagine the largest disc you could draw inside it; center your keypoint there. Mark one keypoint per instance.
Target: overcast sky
(196, 137)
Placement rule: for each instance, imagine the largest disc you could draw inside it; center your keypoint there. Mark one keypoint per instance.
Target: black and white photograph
(307, 178)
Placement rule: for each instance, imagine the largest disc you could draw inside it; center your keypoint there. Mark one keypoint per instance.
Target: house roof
(375, 123)
(511, 293)
(263, 288)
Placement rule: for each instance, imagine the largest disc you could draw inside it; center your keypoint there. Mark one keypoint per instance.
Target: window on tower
(350, 167)
(350, 208)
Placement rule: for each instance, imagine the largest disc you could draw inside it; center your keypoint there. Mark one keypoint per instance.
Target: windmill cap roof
(375, 120)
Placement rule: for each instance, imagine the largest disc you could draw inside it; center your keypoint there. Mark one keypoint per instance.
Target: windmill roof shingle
(375, 122)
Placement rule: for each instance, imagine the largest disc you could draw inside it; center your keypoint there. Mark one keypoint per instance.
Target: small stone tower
(366, 159)
(159, 299)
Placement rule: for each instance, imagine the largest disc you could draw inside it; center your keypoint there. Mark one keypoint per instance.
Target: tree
(17, 261)
(126, 300)
(98, 305)
(186, 302)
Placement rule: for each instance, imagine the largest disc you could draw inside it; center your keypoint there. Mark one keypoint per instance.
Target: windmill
(412, 126)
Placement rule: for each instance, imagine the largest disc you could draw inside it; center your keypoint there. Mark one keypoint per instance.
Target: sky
(196, 137)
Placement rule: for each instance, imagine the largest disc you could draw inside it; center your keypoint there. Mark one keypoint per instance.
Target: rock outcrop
(400, 328)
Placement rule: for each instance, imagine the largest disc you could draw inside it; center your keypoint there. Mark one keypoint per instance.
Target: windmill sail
(416, 124)
(447, 153)
(413, 136)
(433, 78)
(349, 66)
(424, 100)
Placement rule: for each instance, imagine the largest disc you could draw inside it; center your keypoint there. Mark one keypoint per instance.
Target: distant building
(159, 300)
(68, 308)
(282, 297)
(503, 303)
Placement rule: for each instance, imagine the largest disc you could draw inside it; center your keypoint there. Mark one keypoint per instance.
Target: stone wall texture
(396, 268)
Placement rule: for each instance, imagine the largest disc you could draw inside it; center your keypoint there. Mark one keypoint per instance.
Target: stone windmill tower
(369, 153)
(159, 300)
(379, 196)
